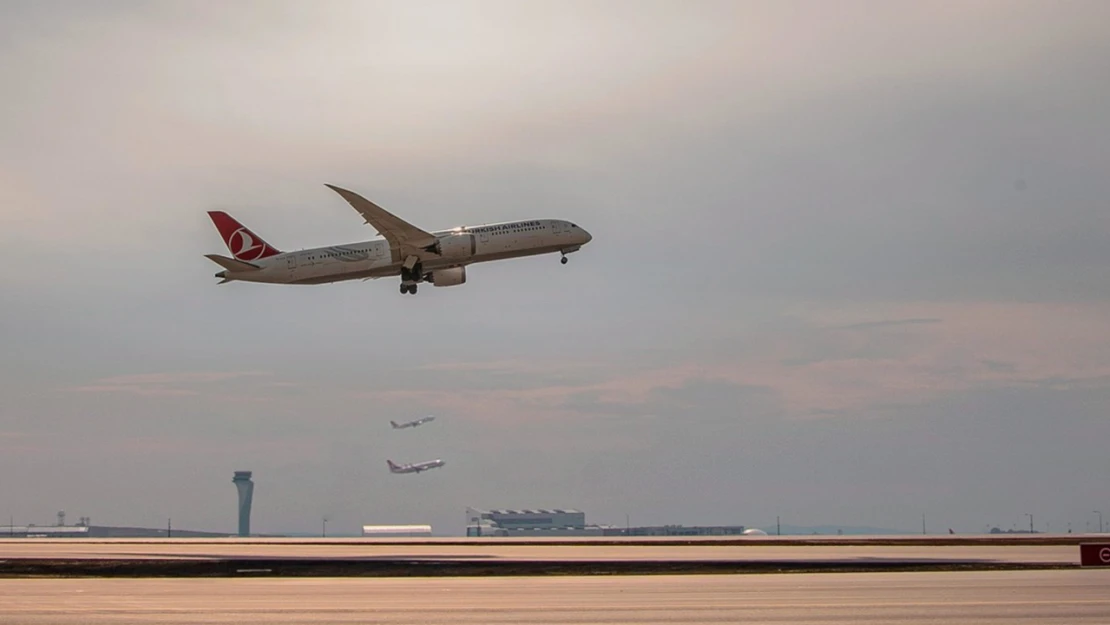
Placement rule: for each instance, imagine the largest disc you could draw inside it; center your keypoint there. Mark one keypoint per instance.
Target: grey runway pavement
(1075, 597)
(506, 551)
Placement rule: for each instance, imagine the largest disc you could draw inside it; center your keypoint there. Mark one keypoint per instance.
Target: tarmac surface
(347, 557)
(509, 550)
(1076, 597)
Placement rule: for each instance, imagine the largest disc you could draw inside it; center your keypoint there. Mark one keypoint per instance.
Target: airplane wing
(403, 237)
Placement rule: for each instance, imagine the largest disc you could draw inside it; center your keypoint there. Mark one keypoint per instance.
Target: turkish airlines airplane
(438, 257)
(415, 467)
(411, 424)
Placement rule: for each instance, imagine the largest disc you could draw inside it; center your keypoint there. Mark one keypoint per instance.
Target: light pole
(1099, 521)
(324, 528)
(1030, 522)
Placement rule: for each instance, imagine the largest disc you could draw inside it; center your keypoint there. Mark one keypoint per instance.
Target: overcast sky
(850, 262)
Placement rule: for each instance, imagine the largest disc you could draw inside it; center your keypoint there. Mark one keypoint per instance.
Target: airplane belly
(492, 255)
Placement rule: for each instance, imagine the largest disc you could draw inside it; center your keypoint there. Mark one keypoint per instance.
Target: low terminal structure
(44, 531)
(679, 530)
(559, 522)
(100, 531)
(394, 531)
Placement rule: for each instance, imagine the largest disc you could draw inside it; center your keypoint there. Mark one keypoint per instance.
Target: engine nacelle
(449, 277)
(456, 246)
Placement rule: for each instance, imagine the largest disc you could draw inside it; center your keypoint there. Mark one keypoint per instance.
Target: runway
(339, 557)
(970, 598)
(511, 550)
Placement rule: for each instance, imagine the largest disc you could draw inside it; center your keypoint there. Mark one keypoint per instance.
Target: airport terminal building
(558, 522)
(541, 522)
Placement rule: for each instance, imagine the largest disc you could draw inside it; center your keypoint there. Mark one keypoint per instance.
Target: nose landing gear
(568, 250)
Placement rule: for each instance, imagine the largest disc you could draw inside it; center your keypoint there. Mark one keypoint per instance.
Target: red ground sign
(1094, 554)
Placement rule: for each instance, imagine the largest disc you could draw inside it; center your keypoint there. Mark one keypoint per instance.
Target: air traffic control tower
(242, 481)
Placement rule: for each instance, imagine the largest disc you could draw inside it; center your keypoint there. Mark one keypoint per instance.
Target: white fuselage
(375, 259)
(412, 424)
(416, 467)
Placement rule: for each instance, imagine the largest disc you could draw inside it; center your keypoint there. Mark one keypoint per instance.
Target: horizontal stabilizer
(231, 264)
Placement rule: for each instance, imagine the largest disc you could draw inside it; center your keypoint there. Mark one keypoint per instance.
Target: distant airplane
(415, 467)
(416, 255)
(411, 424)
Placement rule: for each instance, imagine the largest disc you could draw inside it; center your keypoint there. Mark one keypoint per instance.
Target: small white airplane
(415, 467)
(411, 424)
(439, 257)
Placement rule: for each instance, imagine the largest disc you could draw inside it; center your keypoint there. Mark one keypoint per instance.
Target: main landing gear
(411, 273)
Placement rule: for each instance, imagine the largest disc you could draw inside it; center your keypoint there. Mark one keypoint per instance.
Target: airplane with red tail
(439, 258)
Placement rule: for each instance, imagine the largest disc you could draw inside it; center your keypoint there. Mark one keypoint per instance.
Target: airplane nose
(589, 237)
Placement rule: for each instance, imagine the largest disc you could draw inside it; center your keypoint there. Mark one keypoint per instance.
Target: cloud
(823, 365)
(163, 384)
(203, 446)
(509, 366)
(868, 325)
(978, 345)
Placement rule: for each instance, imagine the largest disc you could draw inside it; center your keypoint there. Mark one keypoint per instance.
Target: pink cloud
(174, 384)
(38, 444)
(300, 448)
(977, 345)
(838, 361)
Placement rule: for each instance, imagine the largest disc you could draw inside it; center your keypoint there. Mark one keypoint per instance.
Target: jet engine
(449, 277)
(455, 246)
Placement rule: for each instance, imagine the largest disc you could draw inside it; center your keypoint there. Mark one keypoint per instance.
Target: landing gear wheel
(404, 289)
(563, 260)
(412, 289)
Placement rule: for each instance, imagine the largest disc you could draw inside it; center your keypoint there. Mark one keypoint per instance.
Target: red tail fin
(243, 244)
